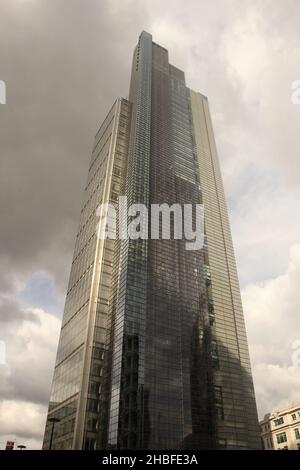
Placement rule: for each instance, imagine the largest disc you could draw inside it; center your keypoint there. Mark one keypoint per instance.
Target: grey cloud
(64, 62)
(11, 312)
(31, 340)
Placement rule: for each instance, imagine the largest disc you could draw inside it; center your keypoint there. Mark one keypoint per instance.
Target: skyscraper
(153, 351)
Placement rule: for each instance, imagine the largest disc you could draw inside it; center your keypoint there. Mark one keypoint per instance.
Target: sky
(64, 62)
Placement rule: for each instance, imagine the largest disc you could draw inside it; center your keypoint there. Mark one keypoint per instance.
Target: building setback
(153, 351)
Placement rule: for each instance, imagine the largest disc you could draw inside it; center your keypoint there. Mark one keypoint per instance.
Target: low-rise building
(280, 430)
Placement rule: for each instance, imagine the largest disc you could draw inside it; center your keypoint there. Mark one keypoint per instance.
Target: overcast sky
(64, 63)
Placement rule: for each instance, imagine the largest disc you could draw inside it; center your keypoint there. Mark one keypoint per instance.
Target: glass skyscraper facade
(153, 351)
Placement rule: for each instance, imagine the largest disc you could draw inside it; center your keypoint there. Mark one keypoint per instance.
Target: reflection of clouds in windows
(66, 378)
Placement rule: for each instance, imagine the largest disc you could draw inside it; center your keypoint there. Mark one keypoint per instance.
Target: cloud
(276, 387)
(40, 292)
(31, 337)
(264, 225)
(22, 421)
(10, 312)
(272, 319)
(62, 75)
(64, 63)
(31, 342)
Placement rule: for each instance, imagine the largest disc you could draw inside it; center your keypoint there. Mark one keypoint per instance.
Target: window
(294, 416)
(92, 405)
(270, 443)
(298, 445)
(214, 354)
(223, 444)
(96, 370)
(219, 401)
(281, 438)
(278, 421)
(266, 443)
(90, 444)
(94, 387)
(297, 433)
(91, 424)
(117, 171)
